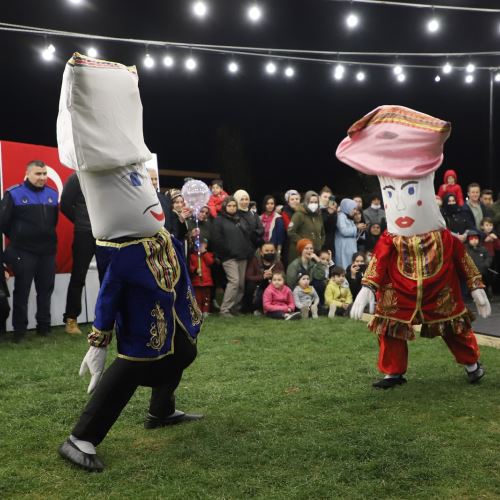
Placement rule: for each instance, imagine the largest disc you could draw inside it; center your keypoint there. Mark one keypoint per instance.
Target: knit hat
(301, 244)
(289, 193)
(396, 142)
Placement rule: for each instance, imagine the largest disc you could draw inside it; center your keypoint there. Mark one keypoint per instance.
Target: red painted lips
(404, 222)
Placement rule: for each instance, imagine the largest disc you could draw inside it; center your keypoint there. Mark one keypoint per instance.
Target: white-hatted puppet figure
(417, 265)
(145, 294)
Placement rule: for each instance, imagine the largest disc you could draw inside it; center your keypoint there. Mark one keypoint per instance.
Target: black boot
(389, 383)
(70, 452)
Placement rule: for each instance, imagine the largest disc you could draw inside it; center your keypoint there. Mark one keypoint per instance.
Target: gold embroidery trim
(158, 328)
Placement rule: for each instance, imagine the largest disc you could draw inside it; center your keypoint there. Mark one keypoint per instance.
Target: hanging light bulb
(168, 61)
(75, 2)
(397, 70)
(289, 72)
(149, 62)
(352, 21)
(437, 78)
(470, 68)
(360, 76)
(339, 72)
(48, 53)
(469, 79)
(92, 52)
(497, 77)
(191, 64)
(200, 9)
(254, 13)
(433, 25)
(271, 68)
(447, 68)
(233, 67)
(401, 77)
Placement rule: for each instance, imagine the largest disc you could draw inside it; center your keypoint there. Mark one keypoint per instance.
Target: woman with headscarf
(303, 264)
(292, 202)
(231, 245)
(274, 229)
(249, 220)
(179, 215)
(458, 220)
(345, 236)
(307, 222)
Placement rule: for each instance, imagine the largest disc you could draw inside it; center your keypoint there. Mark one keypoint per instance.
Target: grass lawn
(290, 413)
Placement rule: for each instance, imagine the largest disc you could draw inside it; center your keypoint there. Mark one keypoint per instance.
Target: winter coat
(252, 225)
(303, 299)
(457, 218)
(275, 300)
(207, 261)
(205, 229)
(374, 215)
(480, 257)
(337, 294)
(305, 224)
(230, 239)
(345, 240)
(453, 189)
(354, 283)
(256, 267)
(215, 203)
(330, 225)
(296, 269)
(73, 205)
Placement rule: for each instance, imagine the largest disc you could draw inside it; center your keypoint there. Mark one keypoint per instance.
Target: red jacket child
(215, 201)
(207, 261)
(451, 188)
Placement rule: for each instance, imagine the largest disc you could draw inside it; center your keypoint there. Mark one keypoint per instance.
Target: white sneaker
(257, 313)
(294, 315)
(331, 312)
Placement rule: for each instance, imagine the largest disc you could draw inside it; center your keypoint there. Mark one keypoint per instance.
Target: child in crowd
(278, 299)
(217, 197)
(491, 241)
(201, 275)
(320, 274)
(480, 256)
(450, 186)
(338, 296)
(306, 298)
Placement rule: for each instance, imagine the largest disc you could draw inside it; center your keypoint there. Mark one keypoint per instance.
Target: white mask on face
(376, 206)
(410, 205)
(312, 207)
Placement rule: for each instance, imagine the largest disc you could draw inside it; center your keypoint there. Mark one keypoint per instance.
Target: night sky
(264, 134)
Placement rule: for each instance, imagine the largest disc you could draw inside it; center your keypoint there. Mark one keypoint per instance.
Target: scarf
(267, 222)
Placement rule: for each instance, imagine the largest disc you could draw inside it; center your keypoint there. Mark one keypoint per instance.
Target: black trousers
(83, 251)
(27, 267)
(122, 378)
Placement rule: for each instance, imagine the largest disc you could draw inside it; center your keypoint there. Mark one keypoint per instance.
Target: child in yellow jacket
(338, 296)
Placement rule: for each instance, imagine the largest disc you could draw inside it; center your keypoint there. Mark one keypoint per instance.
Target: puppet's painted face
(410, 205)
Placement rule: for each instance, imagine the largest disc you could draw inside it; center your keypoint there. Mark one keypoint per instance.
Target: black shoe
(152, 422)
(70, 452)
(389, 383)
(476, 375)
(43, 332)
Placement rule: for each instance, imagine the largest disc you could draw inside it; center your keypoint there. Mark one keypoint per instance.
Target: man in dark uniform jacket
(73, 206)
(28, 217)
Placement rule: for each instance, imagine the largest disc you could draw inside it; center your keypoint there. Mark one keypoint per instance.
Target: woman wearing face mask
(274, 229)
(458, 221)
(260, 270)
(231, 245)
(374, 213)
(346, 234)
(307, 222)
(249, 220)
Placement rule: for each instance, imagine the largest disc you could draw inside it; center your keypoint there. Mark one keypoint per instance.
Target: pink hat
(395, 141)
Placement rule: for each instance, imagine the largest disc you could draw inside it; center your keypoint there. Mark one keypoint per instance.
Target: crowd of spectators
(302, 256)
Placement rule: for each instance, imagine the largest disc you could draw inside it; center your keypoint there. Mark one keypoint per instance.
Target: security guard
(28, 217)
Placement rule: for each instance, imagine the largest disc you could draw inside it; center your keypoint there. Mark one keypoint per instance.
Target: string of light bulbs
(342, 60)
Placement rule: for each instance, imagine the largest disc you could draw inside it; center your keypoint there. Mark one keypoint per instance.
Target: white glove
(482, 303)
(93, 362)
(365, 297)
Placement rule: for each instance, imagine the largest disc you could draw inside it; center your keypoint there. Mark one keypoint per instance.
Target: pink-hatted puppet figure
(417, 264)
